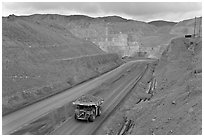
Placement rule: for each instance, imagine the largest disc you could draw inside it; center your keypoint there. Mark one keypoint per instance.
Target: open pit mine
(78, 75)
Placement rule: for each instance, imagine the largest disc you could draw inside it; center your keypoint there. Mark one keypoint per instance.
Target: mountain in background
(112, 19)
(161, 23)
(187, 27)
(111, 33)
(29, 47)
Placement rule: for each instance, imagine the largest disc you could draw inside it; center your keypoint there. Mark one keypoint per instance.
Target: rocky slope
(114, 34)
(187, 27)
(40, 59)
(28, 46)
(161, 23)
(33, 44)
(176, 105)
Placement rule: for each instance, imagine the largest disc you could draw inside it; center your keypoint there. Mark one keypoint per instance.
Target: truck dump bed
(88, 100)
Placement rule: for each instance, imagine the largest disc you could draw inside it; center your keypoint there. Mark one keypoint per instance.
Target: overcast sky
(146, 11)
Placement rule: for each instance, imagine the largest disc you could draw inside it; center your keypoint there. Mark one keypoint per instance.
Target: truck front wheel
(75, 116)
(92, 118)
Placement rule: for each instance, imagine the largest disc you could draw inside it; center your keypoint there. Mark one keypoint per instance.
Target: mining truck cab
(88, 108)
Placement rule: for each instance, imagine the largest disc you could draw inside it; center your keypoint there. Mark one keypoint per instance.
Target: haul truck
(87, 107)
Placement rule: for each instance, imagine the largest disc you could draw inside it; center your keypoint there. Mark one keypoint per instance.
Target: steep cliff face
(124, 38)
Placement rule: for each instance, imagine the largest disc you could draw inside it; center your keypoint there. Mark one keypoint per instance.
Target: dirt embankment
(70, 72)
(176, 104)
(86, 67)
(29, 46)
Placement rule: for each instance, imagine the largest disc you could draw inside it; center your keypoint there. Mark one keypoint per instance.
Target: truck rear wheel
(92, 118)
(99, 111)
(75, 116)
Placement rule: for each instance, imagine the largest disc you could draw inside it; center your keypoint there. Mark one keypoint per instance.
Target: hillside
(28, 46)
(31, 33)
(163, 27)
(30, 41)
(112, 34)
(33, 55)
(175, 107)
(161, 23)
(187, 27)
(112, 19)
(43, 55)
(32, 46)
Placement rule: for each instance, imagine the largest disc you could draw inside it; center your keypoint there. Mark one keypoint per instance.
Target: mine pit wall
(73, 72)
(124, 45)
(178, 92)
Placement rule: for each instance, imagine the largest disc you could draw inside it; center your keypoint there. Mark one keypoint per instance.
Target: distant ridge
(73, 17)
(161, 23)
(157, 23)
(113, 19)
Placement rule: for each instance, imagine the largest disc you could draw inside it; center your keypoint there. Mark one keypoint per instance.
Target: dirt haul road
(20, 118)
(112, 99)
